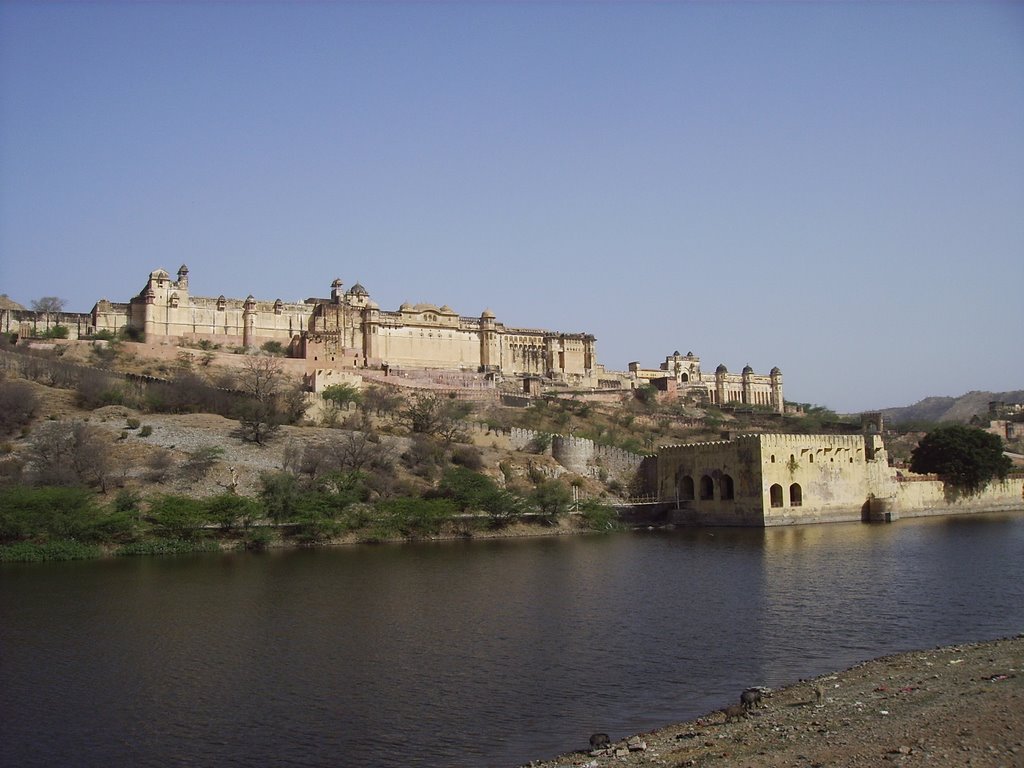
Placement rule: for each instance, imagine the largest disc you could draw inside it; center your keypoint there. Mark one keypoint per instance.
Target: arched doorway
(796, 496)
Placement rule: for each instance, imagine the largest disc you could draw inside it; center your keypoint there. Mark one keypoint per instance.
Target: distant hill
(8, 303)
(959, 409)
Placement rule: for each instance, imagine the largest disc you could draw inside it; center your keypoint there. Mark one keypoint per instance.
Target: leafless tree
(355, 451)
(261, 377)
(49, 304)
(381, 400)
(159, 462)
(436, 416)
(72, 453)
(18, 404)
(260, 417)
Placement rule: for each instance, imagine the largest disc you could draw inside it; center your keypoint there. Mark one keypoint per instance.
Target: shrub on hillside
(412, 517)
(18, 405)
(177, 517)
(43, 514)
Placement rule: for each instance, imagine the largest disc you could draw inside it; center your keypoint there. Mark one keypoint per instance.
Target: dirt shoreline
(960, 705)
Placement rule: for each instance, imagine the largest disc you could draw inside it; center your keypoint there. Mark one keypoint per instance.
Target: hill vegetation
(104, 449)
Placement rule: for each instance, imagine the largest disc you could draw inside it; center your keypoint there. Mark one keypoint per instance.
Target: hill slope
(959, 409)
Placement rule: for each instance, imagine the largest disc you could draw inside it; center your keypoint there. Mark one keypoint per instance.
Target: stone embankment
(957, 706)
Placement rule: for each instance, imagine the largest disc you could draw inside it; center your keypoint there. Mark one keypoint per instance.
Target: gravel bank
(957, 706)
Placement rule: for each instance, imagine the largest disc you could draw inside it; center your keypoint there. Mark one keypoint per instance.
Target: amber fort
(759, 480)
(348, 331)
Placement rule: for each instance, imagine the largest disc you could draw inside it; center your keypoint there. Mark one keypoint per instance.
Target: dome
(487, 314)
(676, 353)
(406, 307)
(776, 372)
(446, 310)
(183, 270)
(159, 274)
(358, 290)
(747, 369)
(337, 283)
(721, 368)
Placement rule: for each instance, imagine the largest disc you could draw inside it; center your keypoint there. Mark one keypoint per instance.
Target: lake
(488, 653)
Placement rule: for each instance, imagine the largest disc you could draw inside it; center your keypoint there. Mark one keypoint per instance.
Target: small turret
(183, 278)
(249, 322)
(777, 400)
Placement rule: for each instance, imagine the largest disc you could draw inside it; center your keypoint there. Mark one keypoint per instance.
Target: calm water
(468, 654)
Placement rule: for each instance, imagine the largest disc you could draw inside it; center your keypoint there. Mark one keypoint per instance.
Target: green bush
(258, 539)
(56, 513)
(133, 423)
(279, 494)
(312, 527)
(598, 516)
(551, 499)
(60, 549)
(177, 517)
(167, 547)
(146, 431)
(55, 332)
(413, 517)
(964, 457)
(229, 510)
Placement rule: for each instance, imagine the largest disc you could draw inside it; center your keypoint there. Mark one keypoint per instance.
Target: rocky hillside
(959, 409)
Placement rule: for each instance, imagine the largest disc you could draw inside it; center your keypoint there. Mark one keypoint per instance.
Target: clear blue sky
(836, 189)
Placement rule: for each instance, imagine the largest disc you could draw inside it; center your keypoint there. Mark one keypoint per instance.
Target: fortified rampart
(28, 323)
(577, 454)
(769, 480)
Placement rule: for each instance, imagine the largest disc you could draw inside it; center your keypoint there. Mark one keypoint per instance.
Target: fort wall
(771, 480)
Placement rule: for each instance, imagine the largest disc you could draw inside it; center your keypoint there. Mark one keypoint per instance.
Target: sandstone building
(771, 479)
(349, 330)
(682, 374)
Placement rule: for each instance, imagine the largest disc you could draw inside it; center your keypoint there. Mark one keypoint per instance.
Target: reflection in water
(487, 653)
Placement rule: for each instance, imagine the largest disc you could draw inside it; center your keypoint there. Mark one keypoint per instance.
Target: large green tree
(965, 457)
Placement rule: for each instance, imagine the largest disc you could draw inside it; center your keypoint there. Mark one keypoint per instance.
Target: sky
(836, 189)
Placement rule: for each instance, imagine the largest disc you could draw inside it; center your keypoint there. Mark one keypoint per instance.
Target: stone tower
(777, 401)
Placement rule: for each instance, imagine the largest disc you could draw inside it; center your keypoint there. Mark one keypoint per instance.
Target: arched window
(810, 458)
(686, 489)
(707, 488)
(726, 487)
(795, 495)
(775, 493)
(773, 458)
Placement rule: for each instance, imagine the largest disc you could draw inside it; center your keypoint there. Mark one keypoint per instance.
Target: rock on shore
(961, 705)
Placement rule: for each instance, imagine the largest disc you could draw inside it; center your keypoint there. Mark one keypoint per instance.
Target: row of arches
(705, 488)
(776, 493)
